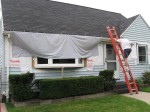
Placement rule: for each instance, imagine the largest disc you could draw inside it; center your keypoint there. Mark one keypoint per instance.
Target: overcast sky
(128, 8)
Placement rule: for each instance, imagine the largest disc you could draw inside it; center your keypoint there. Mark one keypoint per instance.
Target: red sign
(14, 63)
(89, 64)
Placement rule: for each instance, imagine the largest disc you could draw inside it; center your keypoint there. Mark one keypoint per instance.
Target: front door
(111, 62)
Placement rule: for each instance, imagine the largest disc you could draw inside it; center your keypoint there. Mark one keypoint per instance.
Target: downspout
(7, 37)
(3, 63)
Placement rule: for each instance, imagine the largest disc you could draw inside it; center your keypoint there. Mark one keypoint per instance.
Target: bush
(107, 74)
(139, 81)
(67, 87)
(146, 77)
(109, 81)
(20, 86)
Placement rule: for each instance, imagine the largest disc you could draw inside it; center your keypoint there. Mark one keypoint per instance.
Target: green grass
(146, 89)
(114, 103)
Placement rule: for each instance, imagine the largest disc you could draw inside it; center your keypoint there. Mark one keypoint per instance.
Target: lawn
(113, 103)
(146, 89)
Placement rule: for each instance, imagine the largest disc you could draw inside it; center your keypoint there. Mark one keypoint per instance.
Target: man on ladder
(126, 46)
(122, 50)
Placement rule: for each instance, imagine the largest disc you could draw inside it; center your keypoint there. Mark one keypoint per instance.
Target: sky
(127, 8)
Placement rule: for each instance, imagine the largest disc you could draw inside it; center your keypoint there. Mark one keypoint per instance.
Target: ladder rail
(133, 81)
(118, 43)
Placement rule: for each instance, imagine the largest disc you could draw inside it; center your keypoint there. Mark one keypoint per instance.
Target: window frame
(52, 65)
(146, 54)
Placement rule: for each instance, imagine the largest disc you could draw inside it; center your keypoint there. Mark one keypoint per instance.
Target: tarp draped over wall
(56, 46)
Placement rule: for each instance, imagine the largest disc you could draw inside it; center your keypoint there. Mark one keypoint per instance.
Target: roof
(56, 17)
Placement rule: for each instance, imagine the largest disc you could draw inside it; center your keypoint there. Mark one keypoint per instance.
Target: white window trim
(142, 45)
(51, 65)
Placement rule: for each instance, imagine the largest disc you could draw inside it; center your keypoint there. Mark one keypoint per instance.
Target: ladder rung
(112, 30)
(133, 89)
(131, 83)
(131, 76)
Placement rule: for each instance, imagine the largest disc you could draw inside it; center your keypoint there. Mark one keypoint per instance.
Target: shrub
(139, 81)
(146, 77)
(67, 87)
(107, 74)
(20, 86)
(109, 81)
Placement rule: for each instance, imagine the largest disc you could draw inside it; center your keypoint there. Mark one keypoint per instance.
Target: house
(28, 19)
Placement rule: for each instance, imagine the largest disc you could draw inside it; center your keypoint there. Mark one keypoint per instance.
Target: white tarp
(56, 46)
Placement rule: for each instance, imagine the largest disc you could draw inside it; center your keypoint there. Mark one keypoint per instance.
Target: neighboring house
(50, 17)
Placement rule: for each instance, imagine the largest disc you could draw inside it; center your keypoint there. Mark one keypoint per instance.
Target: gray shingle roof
(56, 17)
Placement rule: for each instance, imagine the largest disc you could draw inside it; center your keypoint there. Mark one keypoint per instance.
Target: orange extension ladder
(132, 87)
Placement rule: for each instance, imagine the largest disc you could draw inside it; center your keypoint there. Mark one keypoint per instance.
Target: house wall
(139, 32)
(1, 42)
(24, 64)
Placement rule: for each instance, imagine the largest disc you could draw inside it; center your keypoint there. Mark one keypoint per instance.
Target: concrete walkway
(3, 107)
(143, 96)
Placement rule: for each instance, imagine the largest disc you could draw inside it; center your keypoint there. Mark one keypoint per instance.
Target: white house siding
(139, 31)
(76, 72)
(1, 43)
(1, 34)
(56, 73)
(25, 65)
(136, 69)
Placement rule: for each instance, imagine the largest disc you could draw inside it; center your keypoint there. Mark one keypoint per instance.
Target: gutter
(105, 40)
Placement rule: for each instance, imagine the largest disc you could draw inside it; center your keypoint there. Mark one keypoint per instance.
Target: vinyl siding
(56, 73)
(139, 31)
(69, 73)
(26, 65)
(136, 69)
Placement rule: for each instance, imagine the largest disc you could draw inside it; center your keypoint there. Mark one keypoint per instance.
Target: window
(57, 63)
(42, 61)
(63, 61)
(142, 54)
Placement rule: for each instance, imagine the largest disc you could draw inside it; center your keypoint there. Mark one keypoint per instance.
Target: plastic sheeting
(56, 46)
